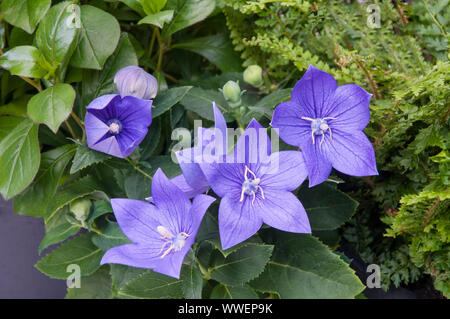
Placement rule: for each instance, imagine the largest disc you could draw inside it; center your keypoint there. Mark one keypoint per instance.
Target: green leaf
(137, 186)
(25, 14)
(85, 157)
(35, 200)
(99, 36)
(58, 234)
(327, 207)
(153, 285)
(152, 6)
(24, 60)
(71, 191)
(192, 281)
(79, 251)
(222, 291)
(164, 101)
(200, 101)
(135, 5)
(7, 124)
(122, 274)
(100, 208)
(242, 265)
(151, 140)
(158, 19)
(303, 267)
(17, 107)
(52, 106)
(187, 12)
(97, 83)
(111, 236)
(19, 159)
(95, 286)
(54, 36)
(267, 104)
(217, 49)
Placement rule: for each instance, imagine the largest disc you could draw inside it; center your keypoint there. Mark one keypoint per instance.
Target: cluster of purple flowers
(255, 184)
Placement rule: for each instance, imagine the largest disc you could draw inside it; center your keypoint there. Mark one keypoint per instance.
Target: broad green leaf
(327, 207)
(192, 281)
(164, 101)
(71, 191)
(111, 236)
(267, 104)
(135, 5)
(217, 49)
(158, 19)
(97, 83)
(152, 6)
(19, 158)
(25, 14)
(137, 186)
(187, 12)
(95, 286)
(122, 274)
(52, 106)
(58, 234)
(99, 208)
(55, 35)
(19, 37)
(79, 251)
(85, 157)
(303, 267)
(151, 140)
(200, 101)
(24, 60)
(35, 200)
(222, 291)
(7, 124)
(152, 285)
(99, 36)
(17, 107)
(242, 265)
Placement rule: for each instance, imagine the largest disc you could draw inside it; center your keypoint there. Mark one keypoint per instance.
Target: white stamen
(176, 243)
(254, 183)
(114, 128)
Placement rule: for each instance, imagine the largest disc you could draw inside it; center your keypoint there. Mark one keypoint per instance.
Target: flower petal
(287, 118)
(313, 91)
(224, 177)
(101, 102)
(134, 112)
(135, 255)
(129, 138)
(95, 129)
(286, 171)
(199, 207)
(171, 199)
(137, 219)
(282, 210)
(220, 131)
(180, 182)
(316, 160)
(350, 107)
(352, 154)
(109, 146)
(238, 221)
(253, 146)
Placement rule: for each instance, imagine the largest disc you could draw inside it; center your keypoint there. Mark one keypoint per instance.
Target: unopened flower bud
(134, 81)
(253, 75)
(232, 93)
(81, 208)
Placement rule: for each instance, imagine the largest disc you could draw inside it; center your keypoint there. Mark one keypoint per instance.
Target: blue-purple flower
(116, 125)
(134, 81)
(255, 186)
(326, 122)
(193, 181)
(162, 233)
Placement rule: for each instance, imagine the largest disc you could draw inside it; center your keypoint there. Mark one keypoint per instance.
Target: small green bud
(232, 93)
(81, 208)
(242, 110)
(253, 75)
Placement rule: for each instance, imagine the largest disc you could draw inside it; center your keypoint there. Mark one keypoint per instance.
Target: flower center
(250, 185)
(114, 126)
(319, 126)
(171, 242)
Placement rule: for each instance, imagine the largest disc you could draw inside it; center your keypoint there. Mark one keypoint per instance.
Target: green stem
(161, 49)
(138, 169)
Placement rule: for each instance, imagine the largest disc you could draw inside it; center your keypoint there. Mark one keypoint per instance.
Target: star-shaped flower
(116, 125)
(163, 233)
(326, 122)
(255, 186)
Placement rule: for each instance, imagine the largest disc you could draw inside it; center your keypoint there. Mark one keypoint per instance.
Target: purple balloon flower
(116, 125)
(134, 81)
(326, 122)
(163, 233)
(255, 186)
(193, 181)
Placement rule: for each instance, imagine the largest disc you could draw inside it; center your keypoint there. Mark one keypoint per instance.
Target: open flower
(326, 122)
(255, 186)
(116, 125)
(134, 81)
(193, 181)
(163, 233)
